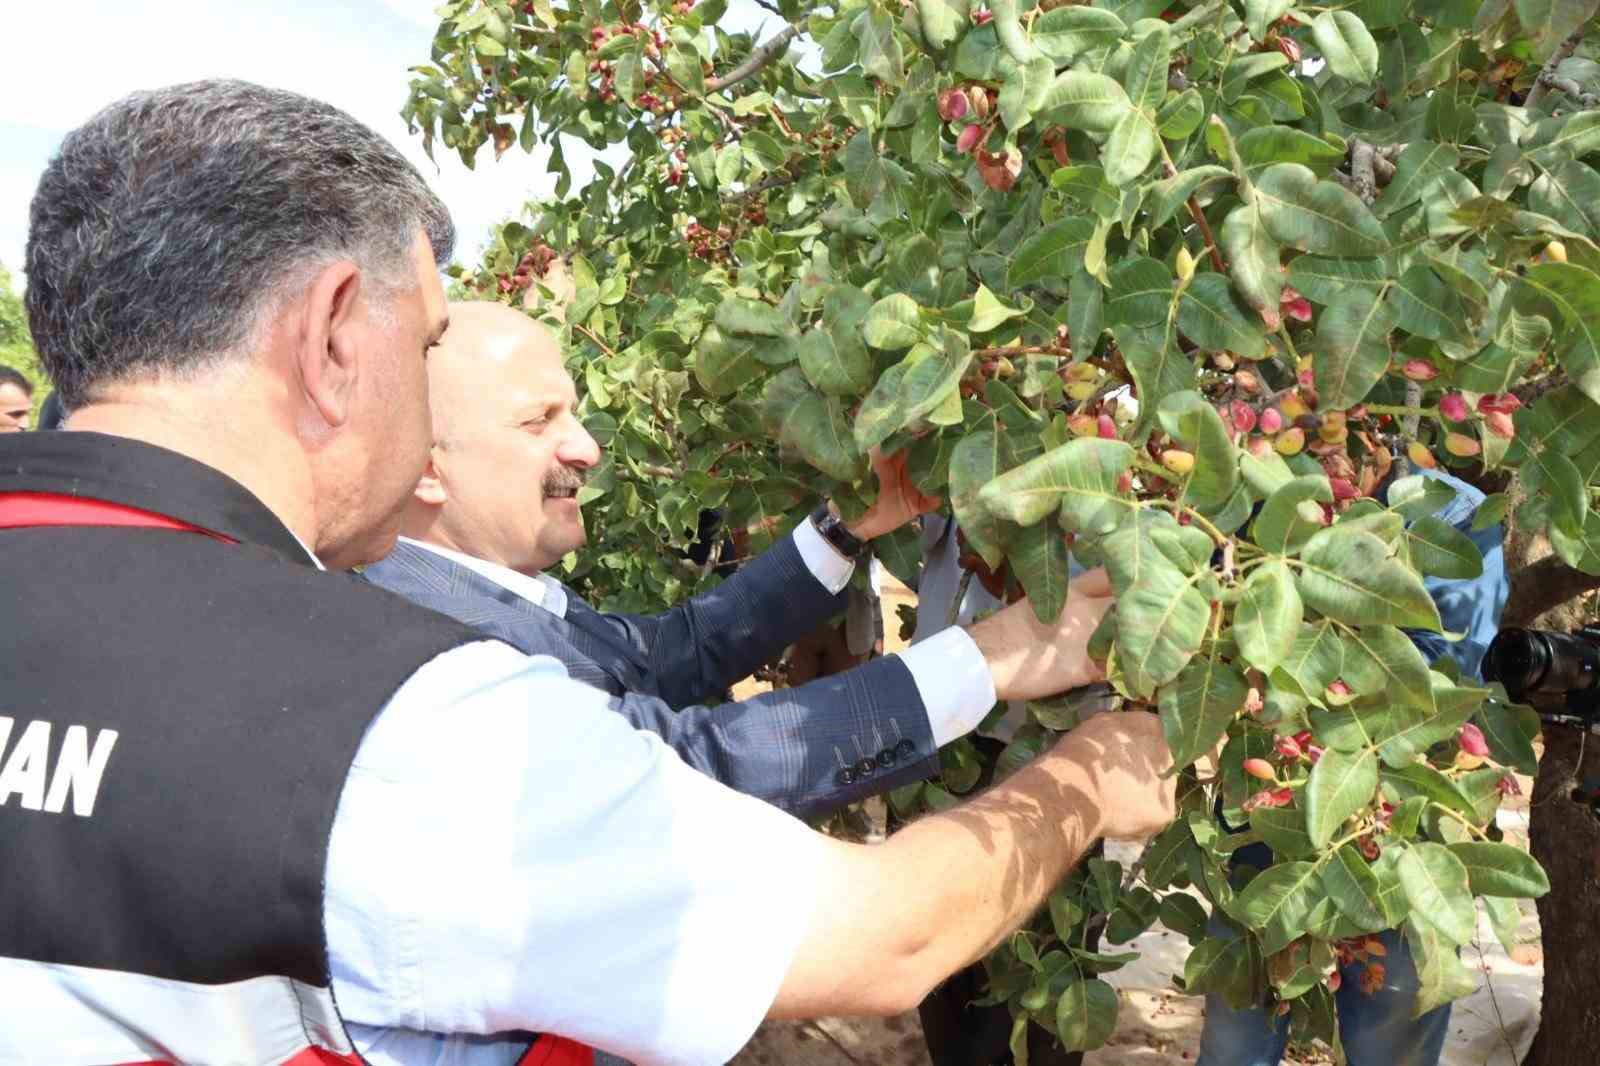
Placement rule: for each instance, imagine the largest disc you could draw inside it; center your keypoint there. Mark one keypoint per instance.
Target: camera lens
(1519, 659)
(1574, 664)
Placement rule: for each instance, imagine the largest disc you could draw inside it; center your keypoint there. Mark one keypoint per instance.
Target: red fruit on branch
(1289, 47)
(1343, 489)
(1501, 424)
(1107, 427)
(1338, 688)
(1271, 421)
(1293, 305)
(969, 138)
(1260, 768)
(1419, 370)
(1509, 786)
(1419, 454)
(1470, 738)
(1460, 445)
(982, 16)
(952, 104)
(1001, 171)
(1506, 402)
(1288, 747)
(1242, 415)
(1453, 406)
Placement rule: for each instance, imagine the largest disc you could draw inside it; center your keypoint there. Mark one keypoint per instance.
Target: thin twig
(1494, 1000)
(1199, 217)
(587, 332)
(758, 59)
(1540, 84)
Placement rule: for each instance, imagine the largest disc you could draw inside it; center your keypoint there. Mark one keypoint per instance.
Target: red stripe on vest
(557, 1051)
(20, 510)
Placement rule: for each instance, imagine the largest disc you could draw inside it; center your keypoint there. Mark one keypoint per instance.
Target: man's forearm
(894, 920)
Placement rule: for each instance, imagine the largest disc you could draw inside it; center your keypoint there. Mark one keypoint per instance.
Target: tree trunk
(1563, 835)
(1566, 838)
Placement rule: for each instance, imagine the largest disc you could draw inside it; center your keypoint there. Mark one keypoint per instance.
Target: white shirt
(510, 854)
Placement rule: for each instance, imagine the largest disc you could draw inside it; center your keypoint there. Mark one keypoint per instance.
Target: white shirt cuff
(830, 568)
(953, 680)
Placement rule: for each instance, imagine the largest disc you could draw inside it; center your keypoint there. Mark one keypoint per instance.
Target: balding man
(497, 507)
(256, 813)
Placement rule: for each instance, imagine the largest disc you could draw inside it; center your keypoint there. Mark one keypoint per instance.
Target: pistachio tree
(1200, 292)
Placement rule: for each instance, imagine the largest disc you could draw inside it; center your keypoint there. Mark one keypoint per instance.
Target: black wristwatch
(831, 526)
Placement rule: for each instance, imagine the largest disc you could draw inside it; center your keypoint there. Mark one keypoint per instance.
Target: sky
(351, 53)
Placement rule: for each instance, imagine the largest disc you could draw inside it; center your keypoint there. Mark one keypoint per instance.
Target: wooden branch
(1538, 587)
(1541, 83)
(587, 332)
(1361, 170)
(1571, 88)
(1199, 217)
(759, 59)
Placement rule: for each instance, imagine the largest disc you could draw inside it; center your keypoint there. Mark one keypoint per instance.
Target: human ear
(329, 350)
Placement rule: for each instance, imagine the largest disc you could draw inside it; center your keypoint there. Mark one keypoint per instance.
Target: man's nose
(579, 449)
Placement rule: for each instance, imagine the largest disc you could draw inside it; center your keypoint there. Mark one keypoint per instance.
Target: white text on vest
(77, 773)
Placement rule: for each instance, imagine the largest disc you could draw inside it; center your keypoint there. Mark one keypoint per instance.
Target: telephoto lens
(1539, 662)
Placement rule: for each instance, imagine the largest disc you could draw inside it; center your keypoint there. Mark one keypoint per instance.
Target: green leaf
(1182, 115)
(1159, 367)
(1197, 708)
(1284, 831)
(1023, 90)
(1341, 784)
(1350, 576)
(1064, 33)
(1268, 617)
(1510, 729)
(1169, 194)
(1190, 418)
(1080, 477)
(683, 63)
(1322, 280)
(836, 370)
(1130, 148)
(1141, 293)
(1426, 306)
(1056, 251)
(1441, 977)
(988, 312)
(1568, 192)
(1347, 45)
(735, 315)
(1085, 310)
(1261, 14)
(628, 76)
(927, 376)
(1145, 78)
(1161, 621)
(1183, 914)
(1208, 316)
(1278, 902)
(1352, 347)
(1265, 145)
(943, 20)
(1080, 99)
(1354, 889)
(1574, 292)
(1086, 1014)
(1038, 555)
(1569, 137)
(1279, 528)
(893, 322)
(817, 426)
(1316, 216)
(1501, 870)
(1253, 263)
(974, 464)
(1217, 965)
(863, 170)
(1380, 658)
(1504, 918)
(880, 53)
(1414, 171)
(1440, 549)
(1435, 883)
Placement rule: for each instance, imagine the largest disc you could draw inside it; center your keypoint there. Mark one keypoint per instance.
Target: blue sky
(65, 60)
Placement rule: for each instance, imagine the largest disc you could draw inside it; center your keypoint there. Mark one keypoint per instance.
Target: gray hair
(169, 223)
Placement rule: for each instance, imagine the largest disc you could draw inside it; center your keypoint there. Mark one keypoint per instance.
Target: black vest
(238, 679)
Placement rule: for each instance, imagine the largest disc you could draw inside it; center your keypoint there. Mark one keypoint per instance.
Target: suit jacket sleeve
(704, 645)
(811, 749)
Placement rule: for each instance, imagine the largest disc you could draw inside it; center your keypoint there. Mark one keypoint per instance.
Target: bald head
(509, 453)
(488, 349)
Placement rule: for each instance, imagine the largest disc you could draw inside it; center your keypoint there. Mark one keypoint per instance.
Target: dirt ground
(1159, 1026)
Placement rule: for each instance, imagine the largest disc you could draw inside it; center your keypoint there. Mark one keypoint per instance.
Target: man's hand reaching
(1030, 659)
(898, 502)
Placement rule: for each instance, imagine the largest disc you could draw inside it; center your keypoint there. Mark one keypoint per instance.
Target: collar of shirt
(540, 590)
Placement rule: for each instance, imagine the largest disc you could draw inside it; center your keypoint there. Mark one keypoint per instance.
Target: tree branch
(1538, 587)
(1542, 82)
(760, 58)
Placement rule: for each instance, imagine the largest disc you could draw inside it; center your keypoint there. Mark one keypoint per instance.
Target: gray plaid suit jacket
(809, 750)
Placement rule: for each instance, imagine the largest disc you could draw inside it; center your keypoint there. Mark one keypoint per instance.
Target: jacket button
(887, 758)
(865, 767)
(905, 749)
(845, 777)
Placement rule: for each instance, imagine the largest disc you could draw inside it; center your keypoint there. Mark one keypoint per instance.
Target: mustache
(564, 479)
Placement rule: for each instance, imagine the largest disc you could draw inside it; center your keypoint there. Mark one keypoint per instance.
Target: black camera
(1558, 674)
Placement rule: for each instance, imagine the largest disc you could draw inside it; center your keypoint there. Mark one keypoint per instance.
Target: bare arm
(894, 920)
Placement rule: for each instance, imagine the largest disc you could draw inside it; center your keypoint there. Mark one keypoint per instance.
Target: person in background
(16, 400)
(1375, 997)
(268, 814)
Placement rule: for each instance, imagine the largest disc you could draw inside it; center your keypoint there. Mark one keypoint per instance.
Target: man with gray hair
(241, 785)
